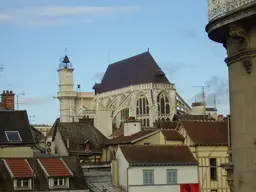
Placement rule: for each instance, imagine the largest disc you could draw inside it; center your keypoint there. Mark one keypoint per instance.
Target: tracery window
(142, 110)
(163, 105)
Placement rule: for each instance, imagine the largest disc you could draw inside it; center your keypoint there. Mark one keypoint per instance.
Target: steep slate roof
(158, 155)
(55, 167)
(78, 133)
(207, 132)
(15, 121)
(135, 70)
(172, 135)
(129, 139)
(76, 182)
(19, 168)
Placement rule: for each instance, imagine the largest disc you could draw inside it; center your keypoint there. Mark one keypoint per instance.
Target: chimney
(114, 172)
(131, 126)
(7, 99)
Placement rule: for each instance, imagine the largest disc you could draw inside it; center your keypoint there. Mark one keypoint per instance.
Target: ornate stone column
(234, 25)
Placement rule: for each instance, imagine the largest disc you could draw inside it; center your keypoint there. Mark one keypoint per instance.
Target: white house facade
(143, 168)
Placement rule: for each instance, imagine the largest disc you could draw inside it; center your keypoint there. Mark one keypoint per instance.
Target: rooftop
(158, 155)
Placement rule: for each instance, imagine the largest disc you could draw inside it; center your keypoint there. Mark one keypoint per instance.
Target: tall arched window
(163, 105)
(142, 110)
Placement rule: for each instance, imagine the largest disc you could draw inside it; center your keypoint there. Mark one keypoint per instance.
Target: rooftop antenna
(148, 49)
(214, 102)
(31, 118)
(203, 92)
(17, 96)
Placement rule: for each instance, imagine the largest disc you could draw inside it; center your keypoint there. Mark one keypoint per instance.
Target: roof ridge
(131, 57)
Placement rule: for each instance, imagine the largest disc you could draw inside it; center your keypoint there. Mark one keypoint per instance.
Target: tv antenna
(17, 96)
(203, 91)
(31, 118)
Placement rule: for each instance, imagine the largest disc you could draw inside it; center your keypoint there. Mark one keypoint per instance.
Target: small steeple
(65, 62)
(214, 102)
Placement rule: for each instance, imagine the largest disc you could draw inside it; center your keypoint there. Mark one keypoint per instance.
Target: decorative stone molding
(247, 65)
(221, 8)
(241, 56)
(240, 32)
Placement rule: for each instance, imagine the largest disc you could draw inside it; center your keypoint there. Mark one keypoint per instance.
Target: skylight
(13, 136)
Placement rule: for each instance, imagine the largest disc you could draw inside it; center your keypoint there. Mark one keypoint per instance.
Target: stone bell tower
(233, 23)
(66, 94)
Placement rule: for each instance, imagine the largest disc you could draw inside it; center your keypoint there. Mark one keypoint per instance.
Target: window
(148, 177)
(58, 181)
(214, 190)
(13, 136)
(163, 105)
(22, 183)
(142, 110)
(172, 176)
(213, 168)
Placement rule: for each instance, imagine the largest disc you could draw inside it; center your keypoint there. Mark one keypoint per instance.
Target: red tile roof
(172, 135)
(207, 132)
(128, 139)
(55, 167)
(158, 154)
(19, 168)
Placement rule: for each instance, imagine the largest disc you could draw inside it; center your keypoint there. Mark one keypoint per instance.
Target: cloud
(36, 100)
(97, 77)
(59, 15)
(174, 68)
(217, 87)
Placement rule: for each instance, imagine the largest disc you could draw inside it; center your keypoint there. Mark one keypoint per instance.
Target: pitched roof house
(77, 138)
(16, 138)
(42, 174)
(118, 75)
(208, 140)
(155, 168)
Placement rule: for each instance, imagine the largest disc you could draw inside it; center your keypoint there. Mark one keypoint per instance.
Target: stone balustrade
(220, 8)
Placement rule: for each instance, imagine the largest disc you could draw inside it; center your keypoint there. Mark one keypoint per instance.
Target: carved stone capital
(240, 33)
(247, 65)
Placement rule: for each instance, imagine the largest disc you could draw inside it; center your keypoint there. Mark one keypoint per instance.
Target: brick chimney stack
(7, 99)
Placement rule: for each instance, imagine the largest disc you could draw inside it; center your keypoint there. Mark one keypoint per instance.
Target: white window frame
(6, 134)
(22, 187)
(172, 176)
(146, 178)
(59, 179)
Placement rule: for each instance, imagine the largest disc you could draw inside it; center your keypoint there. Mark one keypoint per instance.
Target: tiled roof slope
(78, 133)
(15, 121)
(207, 132)
(143, 68)
(166, 124)
(128, 139)
(19, 168)
(55, 167)
(172, 135)
(160, 154)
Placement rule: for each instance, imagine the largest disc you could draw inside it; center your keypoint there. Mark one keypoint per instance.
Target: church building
(133, 87)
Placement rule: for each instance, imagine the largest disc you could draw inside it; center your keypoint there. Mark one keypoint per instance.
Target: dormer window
(23, 184)
(87, 144)
(13, 136)
(59, 182)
